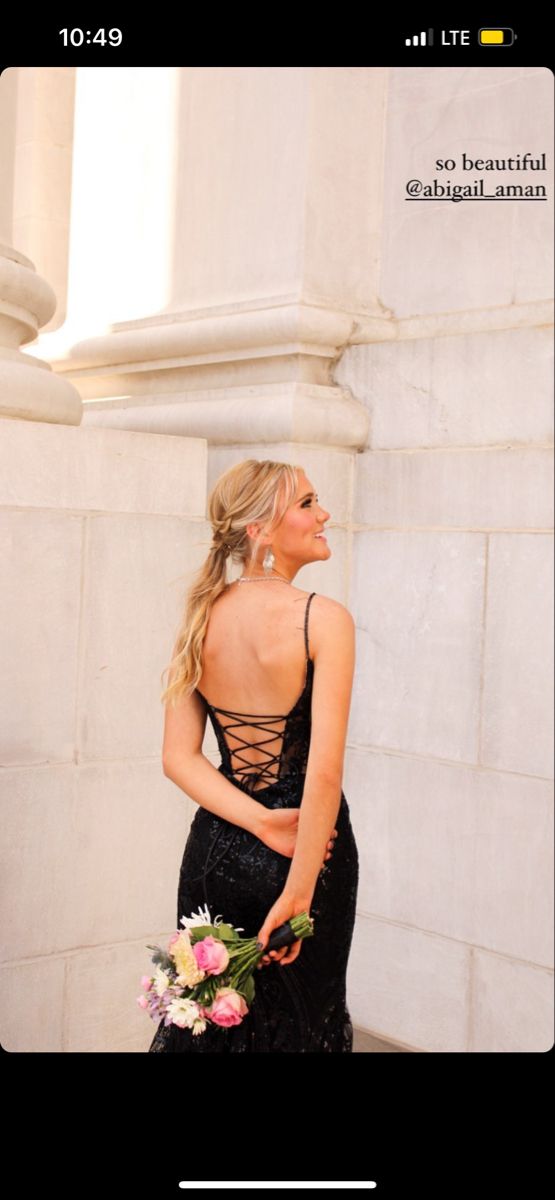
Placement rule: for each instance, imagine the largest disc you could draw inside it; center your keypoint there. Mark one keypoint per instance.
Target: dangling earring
(268, 561)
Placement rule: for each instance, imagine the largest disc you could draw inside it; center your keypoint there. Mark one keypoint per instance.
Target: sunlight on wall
(123, 191)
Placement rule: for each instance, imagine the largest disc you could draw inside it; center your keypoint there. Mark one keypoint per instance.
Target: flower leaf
(247, 990)
(226, 933)
(198, 932)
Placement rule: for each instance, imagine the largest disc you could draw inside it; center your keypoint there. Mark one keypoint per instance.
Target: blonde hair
(250, 492)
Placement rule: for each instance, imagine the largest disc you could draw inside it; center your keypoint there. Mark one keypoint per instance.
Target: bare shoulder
(325, 604)
(330, 621)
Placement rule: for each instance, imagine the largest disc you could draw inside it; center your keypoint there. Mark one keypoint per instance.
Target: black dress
(300, 1007)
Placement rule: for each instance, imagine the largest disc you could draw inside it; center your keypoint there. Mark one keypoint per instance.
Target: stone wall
(100, 530)
(450, 759)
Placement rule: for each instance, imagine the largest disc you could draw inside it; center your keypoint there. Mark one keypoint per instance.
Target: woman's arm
(200, 780)
(334, 661)
(317, 820)
(184, 763)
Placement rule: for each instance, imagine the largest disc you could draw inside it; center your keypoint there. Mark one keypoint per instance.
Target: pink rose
(228, 1008)
(142, 1001)
(146, 982)
(211, 956)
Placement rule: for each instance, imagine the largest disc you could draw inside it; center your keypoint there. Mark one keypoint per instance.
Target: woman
(259, 849)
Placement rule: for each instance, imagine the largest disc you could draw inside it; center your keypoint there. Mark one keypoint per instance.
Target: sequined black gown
(300, 1007)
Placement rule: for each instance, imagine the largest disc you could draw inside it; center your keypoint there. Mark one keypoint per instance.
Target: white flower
(184, 1012)
(160, 981)
(204, 918)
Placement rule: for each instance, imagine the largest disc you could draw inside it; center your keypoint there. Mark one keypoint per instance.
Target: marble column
(29, 388)
(247, 207)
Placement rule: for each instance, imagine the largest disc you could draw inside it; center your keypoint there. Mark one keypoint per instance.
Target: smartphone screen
(350, 269)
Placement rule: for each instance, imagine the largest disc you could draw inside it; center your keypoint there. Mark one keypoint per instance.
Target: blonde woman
(271, 666)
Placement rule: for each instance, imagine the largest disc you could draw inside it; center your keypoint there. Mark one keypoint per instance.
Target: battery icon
(496, 37)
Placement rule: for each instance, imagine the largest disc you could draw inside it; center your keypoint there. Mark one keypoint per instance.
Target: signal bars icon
(421, 39)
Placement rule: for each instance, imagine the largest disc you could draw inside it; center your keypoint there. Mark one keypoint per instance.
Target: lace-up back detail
(258, 762)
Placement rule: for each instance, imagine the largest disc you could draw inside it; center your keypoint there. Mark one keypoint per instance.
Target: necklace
(262, 579)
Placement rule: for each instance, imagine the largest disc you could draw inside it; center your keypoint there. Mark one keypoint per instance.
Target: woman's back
(254, 655)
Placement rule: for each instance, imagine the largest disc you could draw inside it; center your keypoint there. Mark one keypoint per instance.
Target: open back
(258, 751)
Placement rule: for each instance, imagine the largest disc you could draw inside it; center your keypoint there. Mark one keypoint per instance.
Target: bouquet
(207, 972)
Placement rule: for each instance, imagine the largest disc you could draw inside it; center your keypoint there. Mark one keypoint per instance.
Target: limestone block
(517, 723)
(444, 256)
(417, 601)
(240, 412)
(507, 488)
(90, 854)
(512, 1006)
(409, 985)
(136, 575)
(413, 87)
(458, 391)
(40, 603)
(457, 851)
(103, 984)
(101, 470)
(285, 141)
(32, 1004)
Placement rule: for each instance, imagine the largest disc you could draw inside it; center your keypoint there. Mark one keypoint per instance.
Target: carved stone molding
(29, 388)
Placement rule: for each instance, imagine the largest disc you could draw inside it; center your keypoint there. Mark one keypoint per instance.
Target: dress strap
(306, 622)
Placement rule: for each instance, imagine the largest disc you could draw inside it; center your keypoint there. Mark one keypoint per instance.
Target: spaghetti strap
(306, 622)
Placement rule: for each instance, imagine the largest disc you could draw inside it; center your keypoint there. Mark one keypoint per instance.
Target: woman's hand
(279, 831)
(285, 907)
